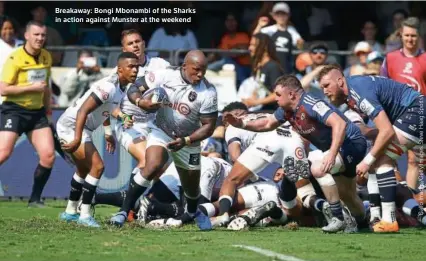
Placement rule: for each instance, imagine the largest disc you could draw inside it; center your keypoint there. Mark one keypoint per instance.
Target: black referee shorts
(21, 120)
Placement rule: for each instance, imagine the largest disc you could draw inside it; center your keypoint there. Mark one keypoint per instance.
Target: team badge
(192, 96)
(151, 77)
(299, 153)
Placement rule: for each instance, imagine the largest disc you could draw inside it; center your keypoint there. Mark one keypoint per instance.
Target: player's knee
(47, 158)
(316, 171)
(97, 169)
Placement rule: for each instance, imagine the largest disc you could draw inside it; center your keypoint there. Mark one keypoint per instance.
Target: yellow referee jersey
(22, 69)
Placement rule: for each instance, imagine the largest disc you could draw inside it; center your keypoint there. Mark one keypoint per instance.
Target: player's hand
(362, 169)
(127, 120)
(328, 162)
(233, 120)
(72, 146)
(176, 145)
(263, 21)
(110, 143)
(38, 86)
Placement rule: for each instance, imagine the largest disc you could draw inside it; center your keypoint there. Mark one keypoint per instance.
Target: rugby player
(395, 109)
(340, 142)
(133, 137)
(408, 65)
(75, 127)
(26, 101)
(187, 117)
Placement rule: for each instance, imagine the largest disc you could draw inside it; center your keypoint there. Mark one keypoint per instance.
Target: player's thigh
(133, 140)
(187, 162)
(7, 143)
(157, 157)
(251, 162)
(137, 149)
(42, 140)
(258, 194)
(316, 157)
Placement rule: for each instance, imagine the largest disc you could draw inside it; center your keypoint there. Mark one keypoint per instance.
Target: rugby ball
(156, 95)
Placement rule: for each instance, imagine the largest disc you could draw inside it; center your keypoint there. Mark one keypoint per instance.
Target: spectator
(53, 37)
(374, 63)
(80, 80)
(318, 53)
(233, 39)
(8, 32)
(282, 34)
(172, 36)
(361, 51)
(265, 70)
(369, 31)
(393, 42)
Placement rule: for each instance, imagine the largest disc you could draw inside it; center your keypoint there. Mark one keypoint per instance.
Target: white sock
(71, 207)
(85, 211)
(375, 213)
(388, 211)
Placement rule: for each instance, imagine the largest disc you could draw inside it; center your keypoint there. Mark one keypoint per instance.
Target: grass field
(37, 234)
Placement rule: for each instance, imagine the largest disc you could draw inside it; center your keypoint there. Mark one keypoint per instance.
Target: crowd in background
(270, 31)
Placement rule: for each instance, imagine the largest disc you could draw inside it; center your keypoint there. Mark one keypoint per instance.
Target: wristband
(137, 101)
(108, 130)
(369, 159)
(243, 124)
(187, 140)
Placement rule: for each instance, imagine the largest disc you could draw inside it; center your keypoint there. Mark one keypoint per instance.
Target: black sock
(192, 204)
(170, 210)
(76, 190)
(133, 193)
(288, 190)
(89, 191)
(387, 186)
(41, 175)
(113, 199)
(374, 200)
(336, 209)
(225, 205)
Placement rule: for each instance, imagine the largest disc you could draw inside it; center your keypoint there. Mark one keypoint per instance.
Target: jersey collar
(147, 59)
(183, 77)
(300, 101)
(419, 52)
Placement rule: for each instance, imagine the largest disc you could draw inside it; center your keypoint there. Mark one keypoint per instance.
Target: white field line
(270, 253)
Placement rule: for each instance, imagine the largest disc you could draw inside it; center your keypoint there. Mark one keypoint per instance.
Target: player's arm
(338, 127)
(369, 133)
(384, 136)
(233, 142)
(89, 105)
(208, 124)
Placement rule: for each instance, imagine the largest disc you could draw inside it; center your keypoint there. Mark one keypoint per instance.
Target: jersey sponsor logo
(258, 192)
(408, 68)
(308, 131)
(182, 108)
(366, 107)
(104, 94)
(283, 132)
(192, 96)
(37, 75)
(299, 153)
(266, 150)
(321, 108)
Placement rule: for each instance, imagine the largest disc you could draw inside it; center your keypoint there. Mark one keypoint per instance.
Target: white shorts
(186, 158)
(128, 136)
(272, 147)
(316, 157)
(259, 193)
(66, 132)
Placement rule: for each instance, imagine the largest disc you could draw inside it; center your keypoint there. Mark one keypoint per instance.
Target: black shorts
(21, 120)
(412, 120)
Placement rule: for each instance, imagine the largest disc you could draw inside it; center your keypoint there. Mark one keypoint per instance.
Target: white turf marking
(270, 253)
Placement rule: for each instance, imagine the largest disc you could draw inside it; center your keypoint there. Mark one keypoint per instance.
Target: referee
(26, 101)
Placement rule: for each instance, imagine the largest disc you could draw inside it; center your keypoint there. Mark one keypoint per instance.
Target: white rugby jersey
(186, 102)
(151, 64)
(244, 137)
(108, 91)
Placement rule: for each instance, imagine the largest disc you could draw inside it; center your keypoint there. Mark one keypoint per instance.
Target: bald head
(194, 66)
(195, 57)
